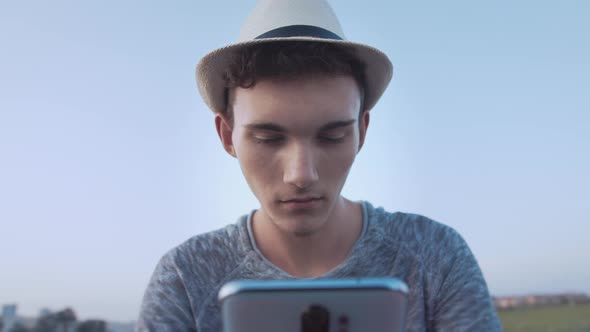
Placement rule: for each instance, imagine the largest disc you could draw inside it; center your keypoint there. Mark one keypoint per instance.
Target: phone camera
(315, 319)
(343, 323)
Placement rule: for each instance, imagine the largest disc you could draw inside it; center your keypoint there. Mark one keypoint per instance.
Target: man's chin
(297, 221)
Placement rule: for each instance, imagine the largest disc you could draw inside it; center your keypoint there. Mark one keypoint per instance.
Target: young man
(291, 103)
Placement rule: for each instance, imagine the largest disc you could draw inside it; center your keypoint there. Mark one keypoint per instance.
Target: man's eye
(267, 138)
(332, 138)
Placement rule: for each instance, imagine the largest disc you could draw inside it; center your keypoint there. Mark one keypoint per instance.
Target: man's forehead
(320, 100)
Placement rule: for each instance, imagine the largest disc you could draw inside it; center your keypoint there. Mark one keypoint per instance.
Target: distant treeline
(513, 302)
(61, 321)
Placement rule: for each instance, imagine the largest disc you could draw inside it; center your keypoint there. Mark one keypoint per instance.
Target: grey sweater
(447, 289)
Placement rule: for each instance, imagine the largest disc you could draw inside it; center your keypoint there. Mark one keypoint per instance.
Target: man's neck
(315, 254)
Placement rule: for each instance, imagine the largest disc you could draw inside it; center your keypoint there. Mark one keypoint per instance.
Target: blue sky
(108, 157)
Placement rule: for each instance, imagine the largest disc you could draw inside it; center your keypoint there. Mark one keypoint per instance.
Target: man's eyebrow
(337, 124)
(269, 126)
(264, 126)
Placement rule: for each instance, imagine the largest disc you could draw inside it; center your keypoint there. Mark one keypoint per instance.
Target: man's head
(291, 99)
(295, 121)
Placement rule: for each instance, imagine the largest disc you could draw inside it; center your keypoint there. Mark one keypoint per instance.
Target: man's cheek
(337, 165)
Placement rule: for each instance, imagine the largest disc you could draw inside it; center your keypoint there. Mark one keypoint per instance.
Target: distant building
(44, 312)
(8, 316)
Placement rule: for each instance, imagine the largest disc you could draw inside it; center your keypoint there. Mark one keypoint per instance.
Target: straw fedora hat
(290, 20)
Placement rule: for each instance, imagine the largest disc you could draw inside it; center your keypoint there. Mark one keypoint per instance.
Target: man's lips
(301, 199)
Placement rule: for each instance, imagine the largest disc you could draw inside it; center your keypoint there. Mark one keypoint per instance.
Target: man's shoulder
(414, 232)
(418, 239)
(212, 251)
(225, 238)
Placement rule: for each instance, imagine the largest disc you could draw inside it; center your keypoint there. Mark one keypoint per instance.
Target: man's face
(296, 141)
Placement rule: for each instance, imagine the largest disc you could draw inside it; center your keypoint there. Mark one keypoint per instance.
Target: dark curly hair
(291, 60)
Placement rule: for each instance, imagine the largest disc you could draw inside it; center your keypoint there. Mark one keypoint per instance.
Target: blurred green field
(556, 318)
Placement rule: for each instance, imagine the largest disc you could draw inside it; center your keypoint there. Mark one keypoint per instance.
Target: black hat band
(300, 31)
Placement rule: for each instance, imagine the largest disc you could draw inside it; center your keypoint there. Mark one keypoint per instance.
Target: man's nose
(300, 169)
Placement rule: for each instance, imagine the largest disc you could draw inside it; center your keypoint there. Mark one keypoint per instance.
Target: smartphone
(320, 305)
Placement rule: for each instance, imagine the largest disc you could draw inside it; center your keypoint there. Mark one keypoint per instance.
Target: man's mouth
(303, 203)
(301, 199)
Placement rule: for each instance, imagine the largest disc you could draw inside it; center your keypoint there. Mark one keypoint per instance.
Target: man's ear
(224, 131)
(363, 126)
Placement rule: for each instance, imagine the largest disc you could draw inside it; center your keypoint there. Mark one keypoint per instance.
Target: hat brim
(211, 68)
